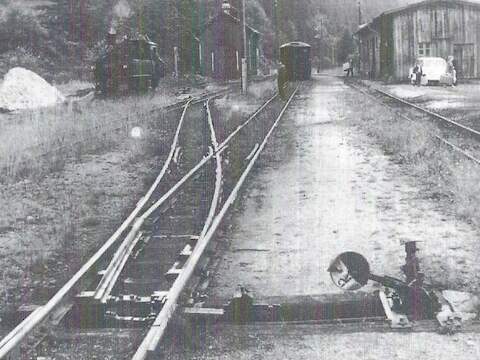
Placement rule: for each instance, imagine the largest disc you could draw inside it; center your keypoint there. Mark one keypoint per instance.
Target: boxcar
(295, 56)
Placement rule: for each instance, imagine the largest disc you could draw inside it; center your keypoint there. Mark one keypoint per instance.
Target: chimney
(112, 36)
(226, 7)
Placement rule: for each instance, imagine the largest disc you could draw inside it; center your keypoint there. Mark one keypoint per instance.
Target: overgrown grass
(51, 223)
(262, 89)
(34, 143)
(447, 176)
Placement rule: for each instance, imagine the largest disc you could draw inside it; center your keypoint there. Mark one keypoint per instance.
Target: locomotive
(295, 58)
(131, 65)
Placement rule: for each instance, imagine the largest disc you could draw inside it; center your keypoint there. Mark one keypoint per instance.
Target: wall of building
(437, 30)
(369, 65)
(222, 49)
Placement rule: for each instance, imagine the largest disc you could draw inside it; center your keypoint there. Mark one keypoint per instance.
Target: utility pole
(359, 13)
(244, 58)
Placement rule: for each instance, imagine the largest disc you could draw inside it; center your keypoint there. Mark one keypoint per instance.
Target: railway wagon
(295, 56)
(129, 66)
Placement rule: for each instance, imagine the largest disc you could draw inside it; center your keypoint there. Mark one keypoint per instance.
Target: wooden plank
(207, 312)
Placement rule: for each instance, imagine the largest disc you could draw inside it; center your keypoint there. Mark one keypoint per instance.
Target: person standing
(451, 70)
(414, 74)
(350, 68)
(418, 71)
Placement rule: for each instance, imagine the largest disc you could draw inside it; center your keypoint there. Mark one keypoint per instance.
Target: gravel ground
(460, 103)
(337, 191)
(314, 342)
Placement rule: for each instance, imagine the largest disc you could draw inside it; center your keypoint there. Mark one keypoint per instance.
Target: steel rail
(222, 147)
(122, 254)
(199, 99)
(119, 258)
(448, 121)
(435, 136)
(14, 338)
(157, 331)
(218, 172)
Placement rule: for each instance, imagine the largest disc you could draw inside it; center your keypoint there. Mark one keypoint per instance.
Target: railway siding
(192, 166)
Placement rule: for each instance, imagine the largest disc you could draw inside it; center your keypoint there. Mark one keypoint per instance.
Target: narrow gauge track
(136, 254)
(59, 304)
(457, 137)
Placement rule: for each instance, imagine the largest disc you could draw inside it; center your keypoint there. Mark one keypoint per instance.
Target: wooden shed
(221, 46)
(390, 44)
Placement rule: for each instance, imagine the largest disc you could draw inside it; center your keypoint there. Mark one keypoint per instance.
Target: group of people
(451, 72)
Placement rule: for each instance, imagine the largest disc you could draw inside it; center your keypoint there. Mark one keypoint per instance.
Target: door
(464, 55)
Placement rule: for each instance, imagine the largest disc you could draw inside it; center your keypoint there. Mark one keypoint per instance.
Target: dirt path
(325, 188)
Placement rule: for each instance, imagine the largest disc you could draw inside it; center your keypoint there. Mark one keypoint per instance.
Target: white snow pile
(23, 89)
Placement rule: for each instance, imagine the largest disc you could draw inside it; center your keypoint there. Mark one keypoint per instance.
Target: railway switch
(403, 300)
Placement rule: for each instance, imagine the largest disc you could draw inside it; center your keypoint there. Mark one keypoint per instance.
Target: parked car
(433, 69)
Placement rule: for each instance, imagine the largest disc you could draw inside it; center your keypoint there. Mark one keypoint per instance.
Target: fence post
(175, 61)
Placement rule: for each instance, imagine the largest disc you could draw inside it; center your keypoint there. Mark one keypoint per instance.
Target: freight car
(296, 58)
(296, 64)
(131, 65)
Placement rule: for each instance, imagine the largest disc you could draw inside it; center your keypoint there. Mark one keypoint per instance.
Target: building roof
(232, 18)
(431, 2)
(296, 44)
(420, 4)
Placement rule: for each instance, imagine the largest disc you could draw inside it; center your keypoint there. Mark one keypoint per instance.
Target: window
(424, 49)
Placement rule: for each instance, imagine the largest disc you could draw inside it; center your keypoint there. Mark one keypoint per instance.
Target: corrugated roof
(475, 3)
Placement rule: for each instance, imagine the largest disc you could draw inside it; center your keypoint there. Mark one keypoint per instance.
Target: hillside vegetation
(60, 38)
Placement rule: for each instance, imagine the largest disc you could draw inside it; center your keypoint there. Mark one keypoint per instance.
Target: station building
(221, 46)
(390, 43)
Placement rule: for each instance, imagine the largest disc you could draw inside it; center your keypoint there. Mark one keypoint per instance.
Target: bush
(21, 57)
(19, 27)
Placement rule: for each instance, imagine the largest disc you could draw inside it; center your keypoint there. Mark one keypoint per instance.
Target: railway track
(459, 138)
(138, 278)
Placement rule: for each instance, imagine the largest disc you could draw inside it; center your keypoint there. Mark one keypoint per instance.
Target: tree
(346, 47)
